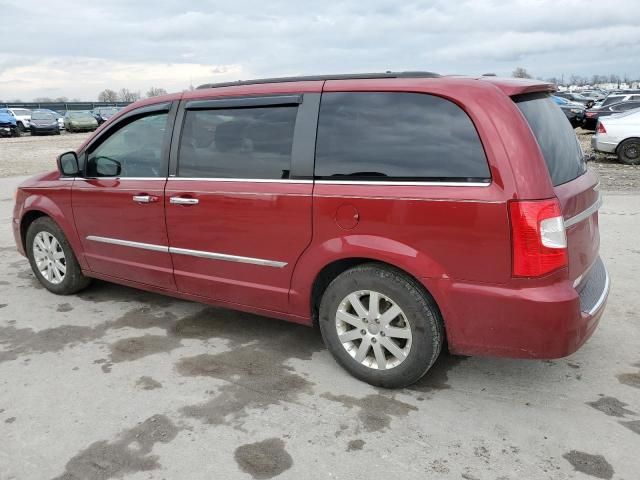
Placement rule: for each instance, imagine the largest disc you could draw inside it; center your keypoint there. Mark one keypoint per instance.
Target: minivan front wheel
(52, 259)
(380, 325)
(629, 151)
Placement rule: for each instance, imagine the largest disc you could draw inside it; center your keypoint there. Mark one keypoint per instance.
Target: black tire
(629, 151)
(16, 133)
(73, 280)
(69, 130)
(418, 307)
(21, 127)
(58, 132)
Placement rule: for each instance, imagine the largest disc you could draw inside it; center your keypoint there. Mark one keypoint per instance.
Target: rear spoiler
(518, 86)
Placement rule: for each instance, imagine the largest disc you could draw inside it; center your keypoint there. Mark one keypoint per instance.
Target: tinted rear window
(237, 143)
(397, 136)
(555, 136)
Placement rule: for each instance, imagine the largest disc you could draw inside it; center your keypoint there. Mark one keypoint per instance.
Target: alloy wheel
(373, 329)
(49, 257)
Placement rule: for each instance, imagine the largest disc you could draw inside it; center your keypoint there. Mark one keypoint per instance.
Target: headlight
(575, 110)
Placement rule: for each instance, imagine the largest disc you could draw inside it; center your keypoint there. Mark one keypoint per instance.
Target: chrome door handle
(183, 201)
(144, 198)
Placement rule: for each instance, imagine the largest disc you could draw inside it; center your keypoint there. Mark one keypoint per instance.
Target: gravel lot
(28, 155)
(116, 382)
(613, 174)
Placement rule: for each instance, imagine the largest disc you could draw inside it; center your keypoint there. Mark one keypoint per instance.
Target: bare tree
(521, 72)
(42, 100)
(156, 92)
(577, 80)
(126, 95)
(108, 95)
(62, 99)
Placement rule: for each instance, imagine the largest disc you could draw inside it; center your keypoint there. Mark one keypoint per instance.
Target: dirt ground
(28, 155)
(120, 383)
(613, 174)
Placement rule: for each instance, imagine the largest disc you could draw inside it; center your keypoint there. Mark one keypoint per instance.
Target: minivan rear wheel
(52, 259)
(629, 151)
(380, 325)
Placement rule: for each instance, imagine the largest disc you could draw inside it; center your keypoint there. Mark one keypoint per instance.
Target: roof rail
(347, 76)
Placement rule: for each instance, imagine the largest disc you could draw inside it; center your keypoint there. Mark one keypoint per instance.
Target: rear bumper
(550, 321)
(603, 143)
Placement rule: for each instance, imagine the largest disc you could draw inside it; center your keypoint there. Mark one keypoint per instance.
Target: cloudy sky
(78, 48)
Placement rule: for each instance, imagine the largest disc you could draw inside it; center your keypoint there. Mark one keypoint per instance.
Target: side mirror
(68, 164)
(107, 167)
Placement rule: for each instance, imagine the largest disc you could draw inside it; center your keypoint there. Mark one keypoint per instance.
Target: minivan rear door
(574, 185)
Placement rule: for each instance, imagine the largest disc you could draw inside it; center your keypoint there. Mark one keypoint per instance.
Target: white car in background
(619, 134)
(22, 116)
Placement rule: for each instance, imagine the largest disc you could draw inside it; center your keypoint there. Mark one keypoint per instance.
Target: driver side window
(135, 150)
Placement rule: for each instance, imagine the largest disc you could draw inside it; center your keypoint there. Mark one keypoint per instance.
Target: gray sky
(78, 48)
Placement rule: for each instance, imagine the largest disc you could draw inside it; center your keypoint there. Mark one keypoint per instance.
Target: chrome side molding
(128, 243)
(228, 258)
(185, 251)
(586, 213)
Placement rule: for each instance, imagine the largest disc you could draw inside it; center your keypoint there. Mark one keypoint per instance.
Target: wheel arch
(37, 206)
(325, 260)
(27, 219)
(333, 269)
(637, 139)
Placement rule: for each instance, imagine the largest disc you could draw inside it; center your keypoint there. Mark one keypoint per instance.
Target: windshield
(610, 100)
(108, 111)
(80, 115)
(21, 111)
(42, 116)
(555, 136)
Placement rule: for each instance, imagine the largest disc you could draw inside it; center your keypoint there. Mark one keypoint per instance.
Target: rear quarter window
(382, 136)
(555, 137)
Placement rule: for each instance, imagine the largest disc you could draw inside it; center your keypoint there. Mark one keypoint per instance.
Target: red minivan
(397, 211)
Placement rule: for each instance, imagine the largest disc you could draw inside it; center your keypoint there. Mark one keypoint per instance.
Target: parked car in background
(8, 126)
(102, 114)
(619, 134)
(592, 115)
(617, 98)
(59, 117)
(79, 121)
(507, 267)
(595, 95)
(576, 97)
(22, 116)
(573, 111)
(43, 123)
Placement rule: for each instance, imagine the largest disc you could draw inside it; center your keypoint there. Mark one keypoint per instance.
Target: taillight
(538, 237)
(601, 128)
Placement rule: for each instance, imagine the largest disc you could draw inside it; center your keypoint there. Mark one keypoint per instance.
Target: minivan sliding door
(238, 198)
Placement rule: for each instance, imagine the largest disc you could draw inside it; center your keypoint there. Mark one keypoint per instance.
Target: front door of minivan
(238, 200)
(119, 204)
